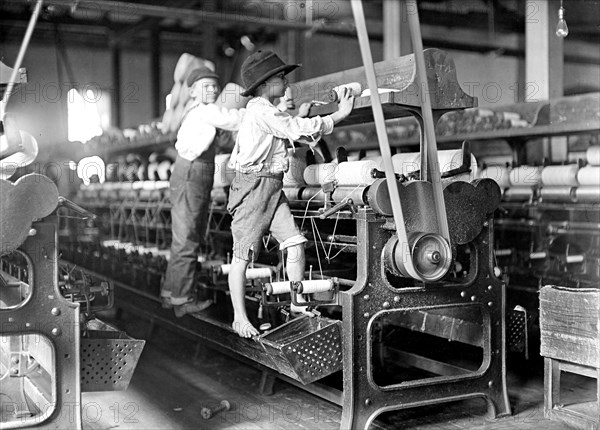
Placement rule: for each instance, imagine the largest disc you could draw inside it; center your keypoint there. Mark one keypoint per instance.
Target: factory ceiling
(185, 24)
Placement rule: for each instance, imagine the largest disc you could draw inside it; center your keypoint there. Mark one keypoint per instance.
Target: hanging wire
(20, 55)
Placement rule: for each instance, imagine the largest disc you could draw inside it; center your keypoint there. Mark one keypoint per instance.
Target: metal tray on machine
(108, 358)
(305, 349)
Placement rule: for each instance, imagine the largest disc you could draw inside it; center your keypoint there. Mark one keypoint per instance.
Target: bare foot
(244, 328)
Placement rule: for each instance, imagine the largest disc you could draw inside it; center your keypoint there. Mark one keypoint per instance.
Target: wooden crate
(570, 342)
(569, 324)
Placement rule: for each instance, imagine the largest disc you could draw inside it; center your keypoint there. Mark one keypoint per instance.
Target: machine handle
(341, 205)
(76, 208)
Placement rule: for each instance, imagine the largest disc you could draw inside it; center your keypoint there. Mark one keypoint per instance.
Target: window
(88, 114)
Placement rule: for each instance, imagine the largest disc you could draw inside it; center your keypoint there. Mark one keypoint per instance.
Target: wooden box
(569, 324)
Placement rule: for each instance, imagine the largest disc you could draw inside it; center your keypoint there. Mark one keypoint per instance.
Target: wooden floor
(176, 378)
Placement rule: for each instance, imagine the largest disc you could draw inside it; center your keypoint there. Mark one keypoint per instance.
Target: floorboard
(176, 378)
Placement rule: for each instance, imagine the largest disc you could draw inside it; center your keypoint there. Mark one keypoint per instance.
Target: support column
(155, 70)
(396, 33)
(115, 109)
(544, 64)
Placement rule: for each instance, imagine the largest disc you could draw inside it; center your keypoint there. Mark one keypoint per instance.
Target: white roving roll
(593, 155)
(498, 174)
(589, 175)
(319, 174)
(405, 163)
(528, 176)
(354, 88)
(560, 175)
(355, 172)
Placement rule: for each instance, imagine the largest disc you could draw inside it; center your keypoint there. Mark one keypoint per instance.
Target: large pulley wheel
(430, 254)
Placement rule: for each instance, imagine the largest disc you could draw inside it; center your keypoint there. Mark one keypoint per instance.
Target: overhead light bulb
(562, 30)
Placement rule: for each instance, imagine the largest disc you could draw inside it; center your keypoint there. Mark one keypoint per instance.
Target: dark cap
(200, 73)
(259, 67)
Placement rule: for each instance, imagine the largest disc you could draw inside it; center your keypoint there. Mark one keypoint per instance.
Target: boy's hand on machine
(346, 102)
(244, 329)
(345, 106)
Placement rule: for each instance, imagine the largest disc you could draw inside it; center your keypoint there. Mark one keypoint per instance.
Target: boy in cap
(260, 158)
(191, 183)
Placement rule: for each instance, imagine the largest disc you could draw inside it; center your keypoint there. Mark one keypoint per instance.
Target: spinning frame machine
(434, 277)
(402, 276)
(49, 351)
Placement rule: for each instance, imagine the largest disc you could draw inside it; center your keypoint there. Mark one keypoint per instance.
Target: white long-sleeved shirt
(199, 128)
(264, 131)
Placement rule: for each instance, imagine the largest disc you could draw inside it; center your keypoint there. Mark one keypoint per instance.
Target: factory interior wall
(40, 106)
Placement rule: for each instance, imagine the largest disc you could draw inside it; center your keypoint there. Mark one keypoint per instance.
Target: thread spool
(518, 194)
(588, 194)
(593, 155)
(315, 286)
(356, 194)
(148, 185)
(281, 287)
(558, 194)
(528, 176)
(225, 269)
(336, 92)
(538, 255)
(292, 193)
(319, 174)
(313, 194)
(589, 176)
(573, 259)
(518, 123)
(503, 252)
(560, 175)
(509, 116)
(259, 272)
(498, 174)
(224, 175)
(355, 173)
(252, 273)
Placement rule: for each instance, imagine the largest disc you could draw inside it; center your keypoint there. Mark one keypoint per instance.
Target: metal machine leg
(373, 297)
